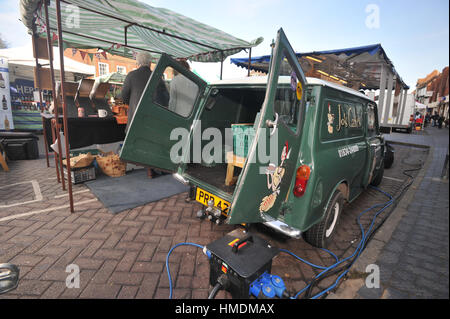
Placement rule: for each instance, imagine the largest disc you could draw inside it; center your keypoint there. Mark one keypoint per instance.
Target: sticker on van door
(330, 120)
(274, 177)
(348, 150)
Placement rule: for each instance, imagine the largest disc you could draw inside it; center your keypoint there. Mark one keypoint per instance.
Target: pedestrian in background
(135, 83)
(133, 88)
(183, 92)
(440, 121)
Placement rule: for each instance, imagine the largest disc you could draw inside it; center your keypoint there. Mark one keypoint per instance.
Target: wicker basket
(82, 160)
(111, 165)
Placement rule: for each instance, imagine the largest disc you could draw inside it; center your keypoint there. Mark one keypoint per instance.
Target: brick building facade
(110, 64)
(433, 91)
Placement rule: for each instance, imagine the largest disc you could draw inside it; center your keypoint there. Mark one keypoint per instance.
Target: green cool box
(243, 135)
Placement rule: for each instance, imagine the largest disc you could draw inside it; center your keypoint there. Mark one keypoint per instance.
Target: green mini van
(316, 144)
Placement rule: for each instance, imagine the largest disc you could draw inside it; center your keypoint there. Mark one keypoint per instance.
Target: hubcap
(330, 229)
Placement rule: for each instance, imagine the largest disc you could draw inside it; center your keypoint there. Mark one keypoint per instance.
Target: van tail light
(301, 180)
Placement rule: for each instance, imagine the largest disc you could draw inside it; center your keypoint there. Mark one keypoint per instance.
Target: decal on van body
(348, 150)
(330, 120)
(274, 177)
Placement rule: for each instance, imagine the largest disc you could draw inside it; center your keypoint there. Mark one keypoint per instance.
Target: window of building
(121, 69)
(103, 68)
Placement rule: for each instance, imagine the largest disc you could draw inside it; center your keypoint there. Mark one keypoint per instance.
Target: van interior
(225, 106)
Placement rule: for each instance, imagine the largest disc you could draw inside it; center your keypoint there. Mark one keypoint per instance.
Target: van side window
(287, 103)
(341, 119)
(177, 94)
(371, 120)
(355, 120)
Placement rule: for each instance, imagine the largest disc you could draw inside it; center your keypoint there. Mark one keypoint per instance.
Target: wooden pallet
(233, 161)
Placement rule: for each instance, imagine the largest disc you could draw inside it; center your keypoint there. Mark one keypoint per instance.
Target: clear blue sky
(413, 33)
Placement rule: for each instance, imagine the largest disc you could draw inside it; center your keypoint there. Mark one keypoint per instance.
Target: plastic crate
(243, 136)
(93, 151)
(81, 175)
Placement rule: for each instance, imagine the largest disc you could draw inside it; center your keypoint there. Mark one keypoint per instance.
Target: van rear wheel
(379, 177)
(320, 235)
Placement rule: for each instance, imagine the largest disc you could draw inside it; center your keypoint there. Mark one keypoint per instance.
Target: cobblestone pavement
(123, 255)
(415, 261)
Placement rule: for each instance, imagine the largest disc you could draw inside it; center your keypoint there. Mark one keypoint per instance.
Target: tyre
(379, 177)
(389, 156)
(320, 235)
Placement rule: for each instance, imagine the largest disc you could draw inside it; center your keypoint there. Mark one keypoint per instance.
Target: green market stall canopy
(358, 67)
(127, 26)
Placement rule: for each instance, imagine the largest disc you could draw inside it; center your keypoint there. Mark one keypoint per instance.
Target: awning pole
(388, 98)
(38, 80)
(221, 64)
(249, 60)
(405, 97)
(399, 107)
(382, 92)
(63, 97)
(58, 155)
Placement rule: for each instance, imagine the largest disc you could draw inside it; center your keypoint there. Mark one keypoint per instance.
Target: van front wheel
(321, 234)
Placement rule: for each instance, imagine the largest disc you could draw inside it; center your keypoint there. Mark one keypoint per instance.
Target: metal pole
(399, 107)
(58, 156)
(405, 98)
(221, 64)
(249, 61)
(388, 98)
(40, 97)
(382, 92)
(63, 98)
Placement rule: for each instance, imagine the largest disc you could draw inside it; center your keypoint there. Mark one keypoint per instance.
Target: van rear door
(263, 185)
(165, 105)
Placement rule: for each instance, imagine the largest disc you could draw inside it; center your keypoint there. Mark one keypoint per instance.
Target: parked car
(327, 140)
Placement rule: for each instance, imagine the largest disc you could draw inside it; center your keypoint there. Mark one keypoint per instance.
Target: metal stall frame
(38, 66)
(62, 75)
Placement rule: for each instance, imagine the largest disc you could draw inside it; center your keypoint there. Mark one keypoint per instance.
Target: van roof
(262, 80)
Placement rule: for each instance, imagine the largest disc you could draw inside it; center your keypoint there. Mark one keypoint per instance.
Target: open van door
(164, 106)
(264, 183)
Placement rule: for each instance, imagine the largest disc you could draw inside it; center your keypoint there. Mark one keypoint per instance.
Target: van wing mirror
(9, 277)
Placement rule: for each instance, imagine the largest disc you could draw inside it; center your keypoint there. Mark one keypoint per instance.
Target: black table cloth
(87, 131)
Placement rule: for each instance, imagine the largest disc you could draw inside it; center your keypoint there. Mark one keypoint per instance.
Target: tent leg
(56, 154)
(58, 157)
(249, 61)
(63, 98)
(40, 98)
(221, 65)
(405, 97)
(387, 108)
(381, 104)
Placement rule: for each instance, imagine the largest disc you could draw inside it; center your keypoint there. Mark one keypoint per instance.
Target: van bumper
(281, 227)
(180, 178)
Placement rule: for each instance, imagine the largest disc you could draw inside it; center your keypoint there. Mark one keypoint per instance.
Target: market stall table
(86, 131)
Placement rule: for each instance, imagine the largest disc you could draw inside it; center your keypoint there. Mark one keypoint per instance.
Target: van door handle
(273, 124)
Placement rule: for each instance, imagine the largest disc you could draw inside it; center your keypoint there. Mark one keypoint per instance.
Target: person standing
(435, 118)
(135, 83)
(133, 88)
(440, 121)
(183, 93)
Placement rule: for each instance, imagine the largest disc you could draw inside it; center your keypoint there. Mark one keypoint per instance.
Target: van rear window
(178, 95)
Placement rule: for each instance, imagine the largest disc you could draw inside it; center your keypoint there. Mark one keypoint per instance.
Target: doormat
(134, 189)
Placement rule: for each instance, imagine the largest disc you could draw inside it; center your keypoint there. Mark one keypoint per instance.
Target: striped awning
(126, 27)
